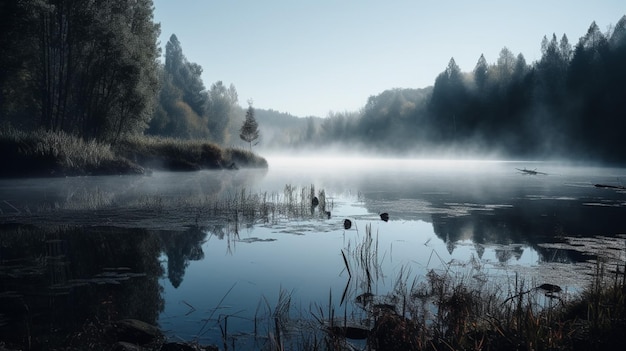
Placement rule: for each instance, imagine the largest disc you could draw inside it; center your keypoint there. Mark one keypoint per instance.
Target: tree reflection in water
(55, 280)
(180, 248)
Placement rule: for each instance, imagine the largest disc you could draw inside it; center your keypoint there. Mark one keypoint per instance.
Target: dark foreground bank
(50, 154)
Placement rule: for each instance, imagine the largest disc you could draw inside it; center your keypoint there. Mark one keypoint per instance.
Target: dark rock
(347, 224)
(551, 288)
(135, 332)
(384, 216)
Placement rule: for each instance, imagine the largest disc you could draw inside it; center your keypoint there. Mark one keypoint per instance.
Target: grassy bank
(50, 154)
(185, 155)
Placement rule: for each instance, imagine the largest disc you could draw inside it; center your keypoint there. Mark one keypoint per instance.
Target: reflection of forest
(53, 281)
(530, 225)
(56, 281)
(522, 223)
(180, 248)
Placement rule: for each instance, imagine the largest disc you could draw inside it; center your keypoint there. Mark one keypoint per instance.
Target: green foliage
(181, 107)
(221, 110)
(185, 75)
(87, 68)
(185, 108)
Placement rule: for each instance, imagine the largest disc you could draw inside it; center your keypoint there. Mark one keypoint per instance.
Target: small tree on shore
(249, 131)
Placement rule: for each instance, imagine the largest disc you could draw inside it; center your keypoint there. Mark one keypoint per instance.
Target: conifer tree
(249, 131)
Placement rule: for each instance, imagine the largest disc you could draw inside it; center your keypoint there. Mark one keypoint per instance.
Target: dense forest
(571, 103)
(94, 69)
(87, 68)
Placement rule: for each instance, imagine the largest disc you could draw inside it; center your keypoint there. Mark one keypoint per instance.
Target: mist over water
(488, 219)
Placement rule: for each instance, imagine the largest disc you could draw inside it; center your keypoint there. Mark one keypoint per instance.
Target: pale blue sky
(309, 57)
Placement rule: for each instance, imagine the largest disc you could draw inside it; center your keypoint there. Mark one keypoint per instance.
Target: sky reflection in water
(484, 220)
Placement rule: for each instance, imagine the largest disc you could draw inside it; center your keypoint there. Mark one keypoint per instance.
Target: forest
(93, 69)
(571, 103)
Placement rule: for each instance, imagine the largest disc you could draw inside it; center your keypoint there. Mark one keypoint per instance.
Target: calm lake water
(214, 253)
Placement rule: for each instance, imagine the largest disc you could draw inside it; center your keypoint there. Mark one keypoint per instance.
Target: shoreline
(57, 154)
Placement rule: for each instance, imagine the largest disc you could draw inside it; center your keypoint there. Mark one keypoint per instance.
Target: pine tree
(249, 131)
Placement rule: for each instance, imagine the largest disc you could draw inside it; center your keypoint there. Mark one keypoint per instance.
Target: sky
(314, 57)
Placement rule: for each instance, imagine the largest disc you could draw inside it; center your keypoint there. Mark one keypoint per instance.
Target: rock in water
(384, 216)
(136, 332)
(347, 224)
(551, 288)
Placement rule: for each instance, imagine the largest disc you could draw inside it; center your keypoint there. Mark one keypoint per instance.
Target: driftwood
(531, 171)
(607, 186)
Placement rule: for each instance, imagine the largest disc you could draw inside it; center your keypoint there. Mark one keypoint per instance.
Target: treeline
(91, 69)
(571, 103)
(185, 108)
(88, 68)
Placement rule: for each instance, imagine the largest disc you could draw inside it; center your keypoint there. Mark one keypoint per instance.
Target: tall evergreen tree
(249, 131)
(449, 102)
(480, 73)
(181, 110)
(186, 76)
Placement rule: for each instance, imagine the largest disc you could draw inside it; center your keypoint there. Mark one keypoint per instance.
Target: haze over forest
(94, 70)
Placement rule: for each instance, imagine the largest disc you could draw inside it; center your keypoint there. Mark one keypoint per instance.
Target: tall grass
(179, 154)
(45, 153)
(449, 309)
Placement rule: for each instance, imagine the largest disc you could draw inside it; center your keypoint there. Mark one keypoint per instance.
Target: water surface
(162, 249)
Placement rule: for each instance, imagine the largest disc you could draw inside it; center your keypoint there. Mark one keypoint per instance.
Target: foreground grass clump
(460, 309)
(45, 154)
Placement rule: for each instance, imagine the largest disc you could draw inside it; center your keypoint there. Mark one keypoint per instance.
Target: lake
(216, 255)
